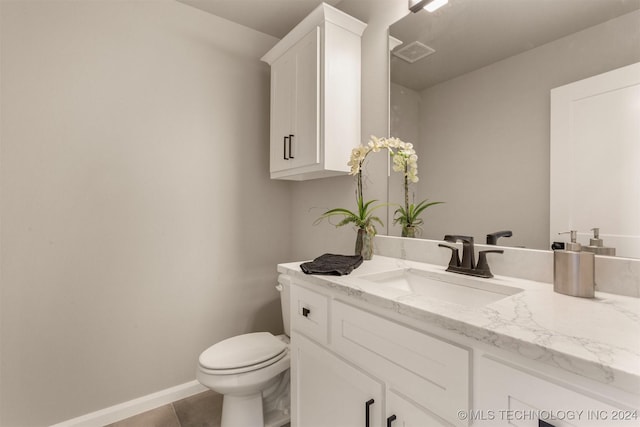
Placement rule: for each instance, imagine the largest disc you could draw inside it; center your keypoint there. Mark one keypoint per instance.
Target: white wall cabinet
(315, 96)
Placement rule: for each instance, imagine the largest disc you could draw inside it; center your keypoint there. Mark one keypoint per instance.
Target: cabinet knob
(305, 311)
(366, 411)
(391, 419)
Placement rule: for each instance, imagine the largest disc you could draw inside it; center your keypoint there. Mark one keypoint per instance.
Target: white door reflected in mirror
(595, 159)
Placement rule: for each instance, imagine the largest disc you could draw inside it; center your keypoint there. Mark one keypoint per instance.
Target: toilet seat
(242, 353)
(244, 369)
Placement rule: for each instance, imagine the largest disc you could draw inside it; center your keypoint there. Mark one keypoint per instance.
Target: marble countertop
(596, 338)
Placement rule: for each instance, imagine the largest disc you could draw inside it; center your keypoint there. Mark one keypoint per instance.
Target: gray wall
(311, 198)
(484, 136)
(139, 223)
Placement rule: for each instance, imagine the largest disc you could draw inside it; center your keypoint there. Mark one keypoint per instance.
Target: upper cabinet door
(306, 141)
(282, 110)
(295, 106)
(315, 96)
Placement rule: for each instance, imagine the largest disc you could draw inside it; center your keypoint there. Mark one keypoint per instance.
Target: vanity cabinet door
(508, 396)
(429, 371)
(329, 392)
(408, 414)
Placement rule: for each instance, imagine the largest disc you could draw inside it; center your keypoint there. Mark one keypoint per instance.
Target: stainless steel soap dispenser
(573, 270)
(597, 246)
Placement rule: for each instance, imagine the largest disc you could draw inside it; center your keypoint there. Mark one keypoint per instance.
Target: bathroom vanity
(405, 343)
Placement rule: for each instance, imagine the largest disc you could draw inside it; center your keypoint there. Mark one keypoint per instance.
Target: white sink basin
(450, 287)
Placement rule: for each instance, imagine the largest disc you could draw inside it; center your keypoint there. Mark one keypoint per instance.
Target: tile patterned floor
(200, 410)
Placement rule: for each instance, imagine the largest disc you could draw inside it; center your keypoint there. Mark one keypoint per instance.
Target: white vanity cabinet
(352, 359)
(349, 365)
(315, 96)
(509, 395)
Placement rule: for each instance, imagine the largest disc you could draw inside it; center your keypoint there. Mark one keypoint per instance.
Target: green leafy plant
(405, 160)
(363, 217)
(409, 215)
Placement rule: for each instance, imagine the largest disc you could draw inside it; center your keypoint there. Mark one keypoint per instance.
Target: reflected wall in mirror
(478, 108)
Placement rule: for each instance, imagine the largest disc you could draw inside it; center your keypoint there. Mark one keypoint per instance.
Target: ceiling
(466, 34)
(273, 17)
(470, 34)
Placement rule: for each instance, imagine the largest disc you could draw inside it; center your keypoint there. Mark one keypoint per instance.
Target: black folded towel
(335, 265)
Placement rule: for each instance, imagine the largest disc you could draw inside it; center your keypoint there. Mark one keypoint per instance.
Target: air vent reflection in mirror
(413, 52)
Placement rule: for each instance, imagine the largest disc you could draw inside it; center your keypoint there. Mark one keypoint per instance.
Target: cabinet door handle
(284, 147)
(544, 424)
(305, 311)
(290, 147)
(391, 419)
(366, 411)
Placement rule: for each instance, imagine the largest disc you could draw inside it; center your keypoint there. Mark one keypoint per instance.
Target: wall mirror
(475, 102)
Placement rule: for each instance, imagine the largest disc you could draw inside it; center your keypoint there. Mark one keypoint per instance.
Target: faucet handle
(455, 258)
(482, 268)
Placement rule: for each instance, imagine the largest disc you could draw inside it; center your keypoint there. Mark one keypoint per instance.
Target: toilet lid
(241, 351)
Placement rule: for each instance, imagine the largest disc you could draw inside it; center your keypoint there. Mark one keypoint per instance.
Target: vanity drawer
(431, 372)
(309, 313)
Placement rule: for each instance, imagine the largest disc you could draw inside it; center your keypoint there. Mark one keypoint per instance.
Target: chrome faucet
(468, 265)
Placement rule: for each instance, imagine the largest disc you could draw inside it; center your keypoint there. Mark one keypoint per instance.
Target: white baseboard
(134, 407)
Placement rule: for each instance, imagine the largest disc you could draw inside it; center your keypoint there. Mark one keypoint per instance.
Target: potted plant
(405, 160)
(363, 217)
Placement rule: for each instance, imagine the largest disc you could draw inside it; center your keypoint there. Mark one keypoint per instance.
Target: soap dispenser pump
(597, 246)
(573, 270)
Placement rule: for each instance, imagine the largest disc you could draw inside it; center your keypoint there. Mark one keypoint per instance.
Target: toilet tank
(284, 286)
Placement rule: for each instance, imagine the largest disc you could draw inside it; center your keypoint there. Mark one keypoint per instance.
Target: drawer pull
(305, 311)
(391, 419)
(366, 411)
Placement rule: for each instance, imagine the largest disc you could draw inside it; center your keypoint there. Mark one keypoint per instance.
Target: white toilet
(252, 372)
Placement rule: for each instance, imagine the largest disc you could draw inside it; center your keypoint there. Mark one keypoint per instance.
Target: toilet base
(276, 402)
(269, 408)
(242, 411)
